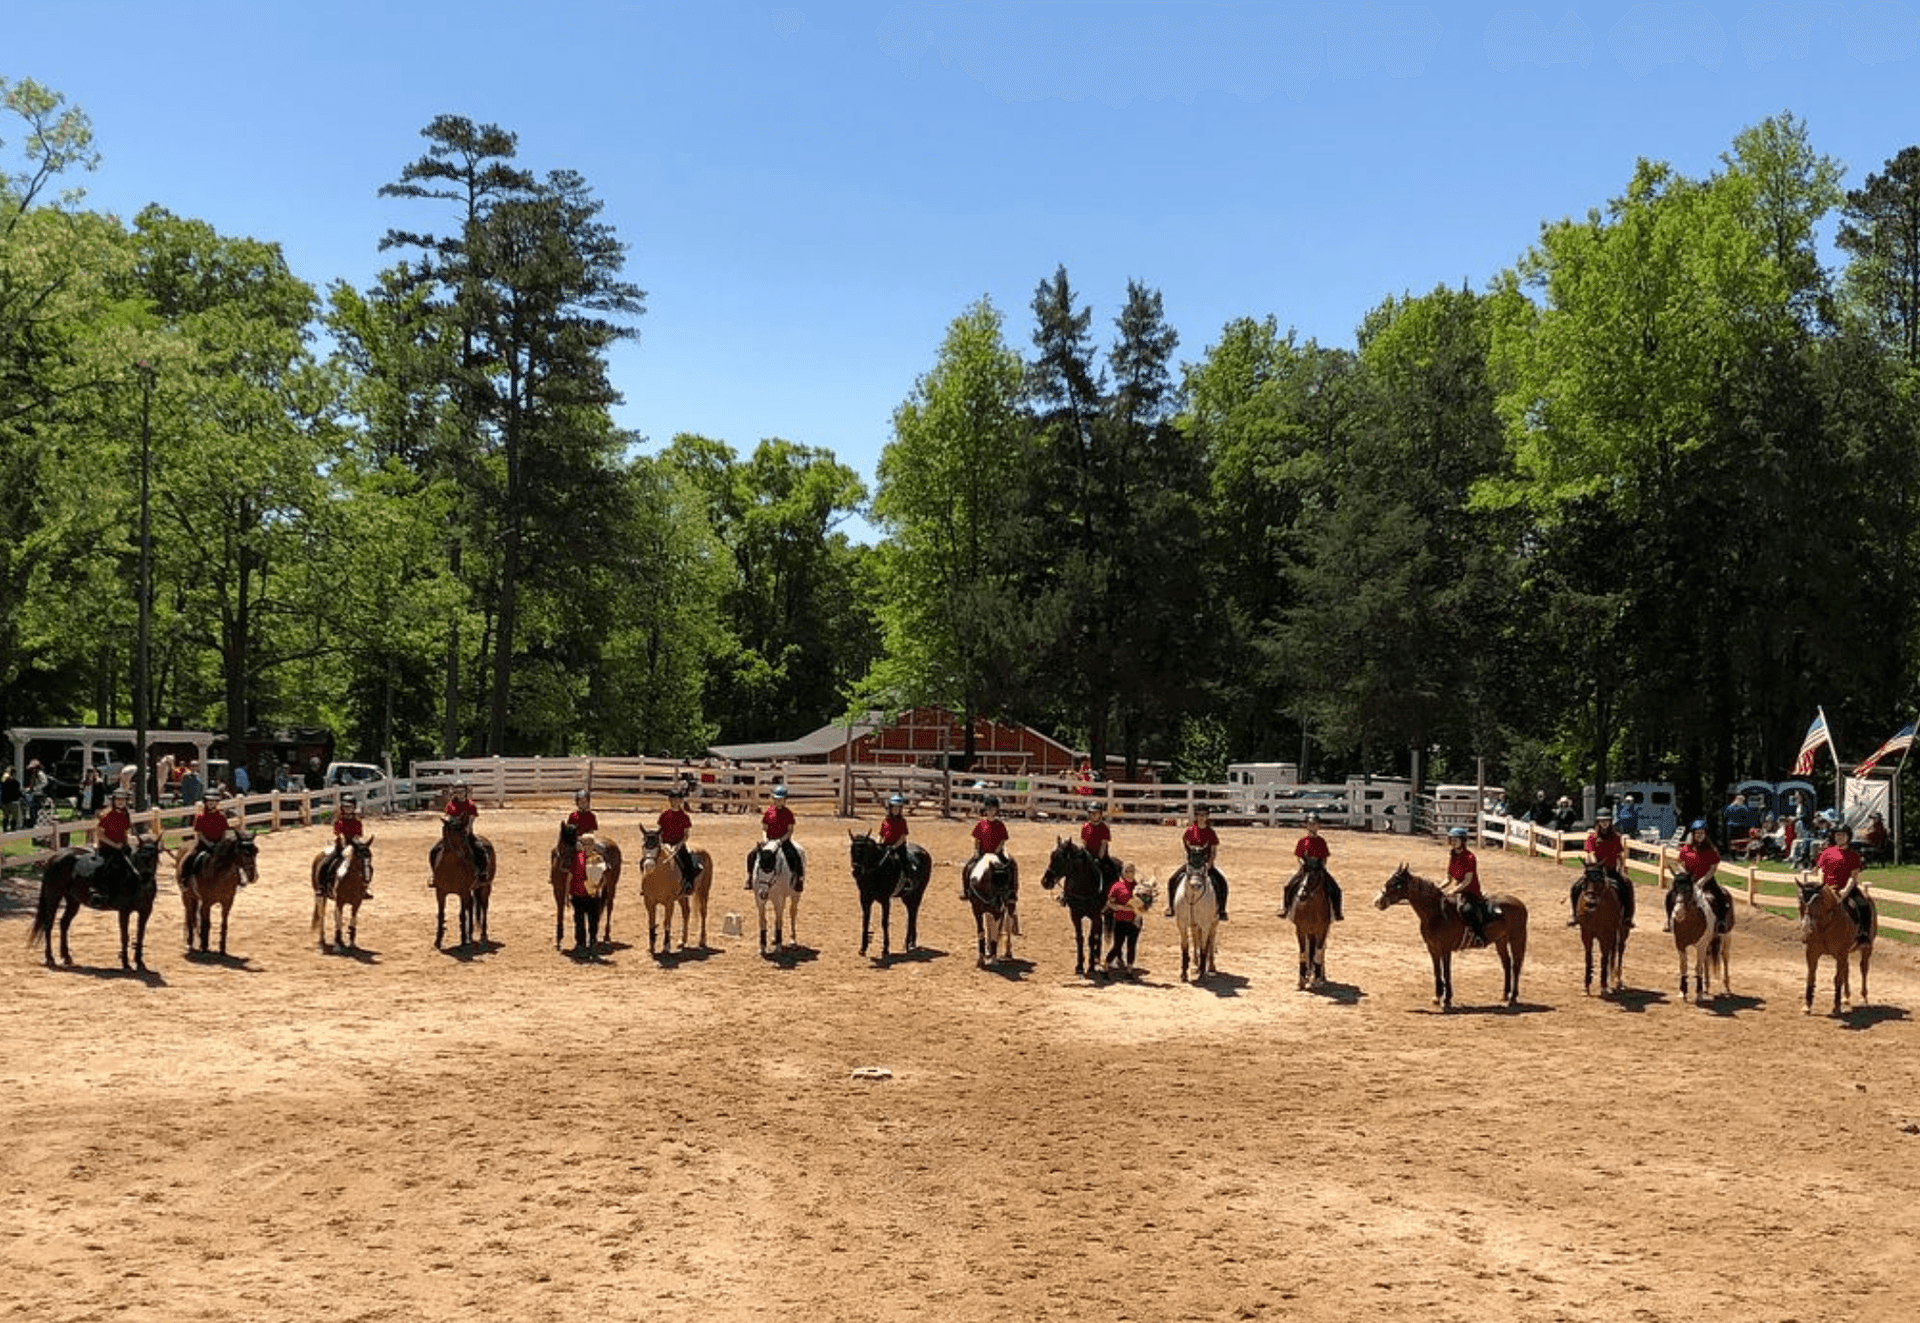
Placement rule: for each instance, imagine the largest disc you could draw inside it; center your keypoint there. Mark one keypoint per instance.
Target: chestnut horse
(990, 889)
(1830, 930)
(1312, 916)
(1445, 931)
(1702, 924)
(1603, 923)
(216, 881)
(877, 872)
(662, 885)
(456, 860)
(560, 874)
(1084, 888)
(346, 886)
(98, 881)
(1196, 908)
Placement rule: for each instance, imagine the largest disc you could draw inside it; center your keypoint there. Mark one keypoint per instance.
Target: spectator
(241, 781)
(1541, 814)
(193, 788)
(1564, 816)
(316, 778)
(283, 778)
(1736, 823)
(1626, 816)
(93, 794)
(10, 801)
(34, 792)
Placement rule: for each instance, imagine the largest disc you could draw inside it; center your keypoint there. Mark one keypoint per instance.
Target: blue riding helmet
(779, 792)
(896, 801)
(1457, 833)
(1698, 824)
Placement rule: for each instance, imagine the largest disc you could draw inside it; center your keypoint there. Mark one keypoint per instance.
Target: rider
(776, 825)
(583, 819)
(1199, 835)
(460, 805)
(675, 826)
(347, 828)
(1463, 871)
(1313, 846)
(1840, 866)
(893, 836)
(1699, 861)
(111, 834)
(210, 827)
(1607, 848)
(1097, 838)
(990, 838)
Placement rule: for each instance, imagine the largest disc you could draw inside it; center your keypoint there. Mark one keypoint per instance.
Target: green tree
(1880, 231)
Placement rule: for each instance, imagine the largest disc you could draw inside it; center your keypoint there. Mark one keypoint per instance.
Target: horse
(1603, 923)
(772, 879)
(98, 881)
(1444, 929)
(456, 862)
(346, 886)
(1312, 916)
(1196, 908)
(990, 889)
(662, 885)
(1705, 927)
(877, 870)
(560, 873)
(1084, 888)
(216, 881)
(1829, 930)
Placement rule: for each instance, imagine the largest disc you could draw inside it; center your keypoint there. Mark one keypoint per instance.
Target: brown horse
(1445, 931)
(98, 881)
(1603, 923)
(1702, 924)
(662, 886)
(1312, 920)
(222, 870)
(346, 886)
(459, 860)
(560, 873)
(1831, 931)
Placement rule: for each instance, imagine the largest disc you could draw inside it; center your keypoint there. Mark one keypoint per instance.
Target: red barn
(920, 737)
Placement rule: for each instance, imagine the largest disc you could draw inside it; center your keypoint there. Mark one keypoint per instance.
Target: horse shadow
(1013, 971)
(684, 956)
(1498, 1008)
(1635, 1000)
(1726, 1006)
(1866, 1017)
(1223, 985)
(238, 963)
(473, 951)
(1342, 994)
(615, 948)
(920, 955)
(150, 978)
(359, 955)
(791, 957)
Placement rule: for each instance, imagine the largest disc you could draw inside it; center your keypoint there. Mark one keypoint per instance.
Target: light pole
(141, 716)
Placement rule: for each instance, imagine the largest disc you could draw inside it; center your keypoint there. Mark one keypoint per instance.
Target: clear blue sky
(812, 192)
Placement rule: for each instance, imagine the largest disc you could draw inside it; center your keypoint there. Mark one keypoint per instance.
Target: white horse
(1197, 910)
(773, 889)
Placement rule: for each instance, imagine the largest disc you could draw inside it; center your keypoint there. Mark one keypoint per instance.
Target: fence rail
(1659, 858)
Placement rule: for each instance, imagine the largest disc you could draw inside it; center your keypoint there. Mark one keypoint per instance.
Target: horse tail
(54, 881)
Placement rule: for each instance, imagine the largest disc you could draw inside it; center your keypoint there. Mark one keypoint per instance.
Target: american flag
(1898, 744)
(1816, 736)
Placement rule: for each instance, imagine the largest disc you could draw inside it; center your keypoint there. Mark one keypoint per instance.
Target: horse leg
(866, 923)
(1813, 975)
(1439, 981)
(440, 928)
(124, 916)
(1098, 940)
(980, 938)
(559, 919)
(1866, 955)
(886, 927)
(1587, 942)
(140, 943)
(66, 922)
(225, 910)
(911, 903)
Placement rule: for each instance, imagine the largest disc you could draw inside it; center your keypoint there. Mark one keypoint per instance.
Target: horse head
(1197, 858)
(650, 847)
(1398, 888)
(863, 852)
(1059, 862)
(569, 838)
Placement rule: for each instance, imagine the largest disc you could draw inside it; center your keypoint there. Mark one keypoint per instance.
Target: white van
(1658, 813)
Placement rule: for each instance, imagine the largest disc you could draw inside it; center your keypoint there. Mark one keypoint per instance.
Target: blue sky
(812, 192)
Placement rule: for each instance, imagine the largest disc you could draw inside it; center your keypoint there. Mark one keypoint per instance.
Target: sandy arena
(408, 1134)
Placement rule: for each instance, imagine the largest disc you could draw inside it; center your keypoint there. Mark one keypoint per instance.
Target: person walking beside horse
(1313, 846)
(1124, 914)
(1607, 848)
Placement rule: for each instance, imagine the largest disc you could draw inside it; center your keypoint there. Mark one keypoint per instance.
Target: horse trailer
(1658, 813)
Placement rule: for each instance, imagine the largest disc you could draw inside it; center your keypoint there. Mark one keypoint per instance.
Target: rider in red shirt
(1699, 861)
(675, 827)
(585, 821)
(1463, 870)
(1608, 848)
(460, 805)
(990, 839)
(1097, 837)
(1200, 835)
(347, 828)
(893, 837)
(1840, 866)
(210, 827)
(776, 825)
(1313, 846)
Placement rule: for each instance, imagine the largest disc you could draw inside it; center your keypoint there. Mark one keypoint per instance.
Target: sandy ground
(509, 1133)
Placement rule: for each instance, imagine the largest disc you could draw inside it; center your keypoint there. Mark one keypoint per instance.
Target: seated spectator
(1564, 816)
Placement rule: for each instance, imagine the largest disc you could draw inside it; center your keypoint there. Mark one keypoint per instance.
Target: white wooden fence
(1658, 859)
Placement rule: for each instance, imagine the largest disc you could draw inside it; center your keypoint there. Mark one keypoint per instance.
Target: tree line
(1632, 509)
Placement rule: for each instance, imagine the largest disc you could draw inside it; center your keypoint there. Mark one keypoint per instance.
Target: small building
(931, 737)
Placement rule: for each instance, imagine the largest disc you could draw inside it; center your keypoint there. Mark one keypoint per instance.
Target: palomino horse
(1603, 923)
(101, 882)
(216, 881)
(991, 888)
(877, 872)
(1444, 929)
(560, 873)
(346, 886)
(1312, 916)
(1196, 908)
(1702, 924)
(1084, 888)
(773, 889)
(1830, 931)
(456, 860)
(662, 886)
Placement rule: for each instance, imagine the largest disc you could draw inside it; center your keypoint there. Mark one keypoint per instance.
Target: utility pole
(142, 715)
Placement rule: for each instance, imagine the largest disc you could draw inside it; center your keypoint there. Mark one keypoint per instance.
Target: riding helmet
(896, 801)
(1698, 824)
(1457, 833)
(779, 792)
(580, 797)
(990, 802)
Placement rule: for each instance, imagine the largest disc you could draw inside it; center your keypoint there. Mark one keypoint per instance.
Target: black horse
(1084, 886)
(99, 881)
(878, 871)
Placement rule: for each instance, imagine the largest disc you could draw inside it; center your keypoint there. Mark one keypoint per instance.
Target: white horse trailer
(1658, 814)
